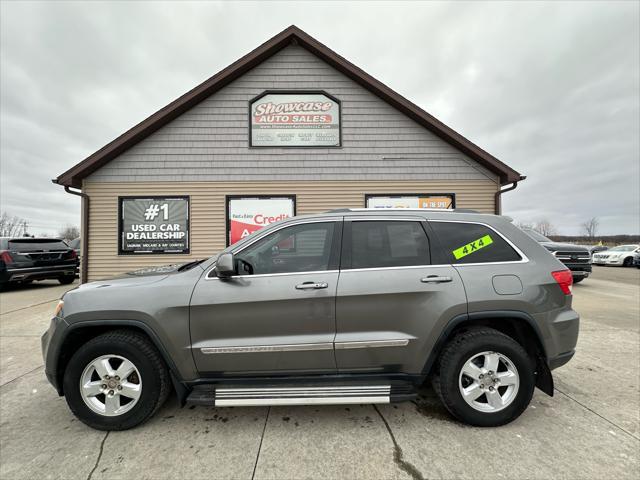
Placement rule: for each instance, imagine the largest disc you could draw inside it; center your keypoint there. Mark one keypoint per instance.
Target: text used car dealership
(290, 128)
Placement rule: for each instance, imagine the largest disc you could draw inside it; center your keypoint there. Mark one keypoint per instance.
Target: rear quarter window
(463, 243)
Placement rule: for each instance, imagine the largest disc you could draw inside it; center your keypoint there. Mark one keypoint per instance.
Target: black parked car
(576, 258)
(25, 259)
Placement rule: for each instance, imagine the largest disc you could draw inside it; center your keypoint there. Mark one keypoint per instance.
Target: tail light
(5, 257)
(71, 254)
(564, 278)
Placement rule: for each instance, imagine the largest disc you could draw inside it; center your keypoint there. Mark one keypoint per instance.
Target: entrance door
(277, 315)
(390, 297)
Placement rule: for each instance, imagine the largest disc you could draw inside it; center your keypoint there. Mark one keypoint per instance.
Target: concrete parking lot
(589, 429)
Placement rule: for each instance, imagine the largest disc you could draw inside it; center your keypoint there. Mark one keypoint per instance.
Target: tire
(150, 374)
(577, 279)
(449, 378)
(66, 279)
(628, 262)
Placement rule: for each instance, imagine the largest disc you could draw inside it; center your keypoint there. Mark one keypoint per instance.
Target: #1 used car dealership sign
(295, 120)
(154, 225)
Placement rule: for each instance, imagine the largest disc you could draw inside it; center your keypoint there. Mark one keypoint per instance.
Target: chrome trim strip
(336, 388)
(259, 402)
(262, 275)
(372, 344)
(407, 267)
(296, 347)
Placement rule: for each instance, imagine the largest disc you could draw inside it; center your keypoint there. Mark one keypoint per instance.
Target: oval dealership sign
(295, 120)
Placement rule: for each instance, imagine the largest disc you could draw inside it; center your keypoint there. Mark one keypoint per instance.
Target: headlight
(58, 310)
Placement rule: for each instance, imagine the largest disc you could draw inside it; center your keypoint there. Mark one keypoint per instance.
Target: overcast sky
(550, 88)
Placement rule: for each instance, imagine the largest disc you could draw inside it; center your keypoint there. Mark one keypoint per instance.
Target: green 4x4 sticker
(471, 247)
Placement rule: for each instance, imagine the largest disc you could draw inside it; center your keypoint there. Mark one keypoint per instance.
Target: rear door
(391, 298)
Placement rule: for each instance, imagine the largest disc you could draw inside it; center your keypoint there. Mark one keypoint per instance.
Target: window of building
(379, 244)
(299, 248)
(473, 243)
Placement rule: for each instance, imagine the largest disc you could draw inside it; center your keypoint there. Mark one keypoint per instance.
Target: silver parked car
(622, 255)
(350, 306)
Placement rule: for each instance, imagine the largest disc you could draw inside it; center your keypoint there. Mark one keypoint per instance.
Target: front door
(391, 298)
(277, 315)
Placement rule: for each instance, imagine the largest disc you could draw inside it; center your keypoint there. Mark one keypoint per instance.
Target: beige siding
(207, 227)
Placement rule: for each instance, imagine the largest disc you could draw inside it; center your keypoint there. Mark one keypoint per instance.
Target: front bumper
(579, 269)
(36, 273)
(608, 261)
(51, 342)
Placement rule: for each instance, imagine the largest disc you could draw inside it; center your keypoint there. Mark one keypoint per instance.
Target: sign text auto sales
(305, 119)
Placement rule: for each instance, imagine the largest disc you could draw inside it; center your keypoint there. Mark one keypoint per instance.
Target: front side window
(472, 243)
(299, 248)
(380, 244)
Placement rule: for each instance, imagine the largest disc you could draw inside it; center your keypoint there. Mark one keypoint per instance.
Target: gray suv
(349, 306)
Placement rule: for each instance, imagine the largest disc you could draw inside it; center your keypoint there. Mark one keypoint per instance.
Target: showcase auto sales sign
(246, 215)
(295, 120)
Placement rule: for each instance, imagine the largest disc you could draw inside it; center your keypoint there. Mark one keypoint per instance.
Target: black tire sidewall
(66, 279)
(450, 371)
(150, 377)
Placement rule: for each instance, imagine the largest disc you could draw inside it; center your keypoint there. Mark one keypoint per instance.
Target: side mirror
(225, 265)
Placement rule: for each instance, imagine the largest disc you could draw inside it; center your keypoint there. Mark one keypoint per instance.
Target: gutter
(84, 231)
(498, 195)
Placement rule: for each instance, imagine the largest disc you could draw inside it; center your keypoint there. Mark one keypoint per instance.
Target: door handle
(312, 285)
(435, 279)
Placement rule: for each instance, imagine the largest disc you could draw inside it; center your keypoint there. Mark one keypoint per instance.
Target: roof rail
(399, 209)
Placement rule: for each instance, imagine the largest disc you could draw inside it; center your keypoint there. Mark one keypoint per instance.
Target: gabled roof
(73, 177)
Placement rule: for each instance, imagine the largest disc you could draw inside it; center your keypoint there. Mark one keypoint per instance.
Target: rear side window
(380, 244)
(472, 243)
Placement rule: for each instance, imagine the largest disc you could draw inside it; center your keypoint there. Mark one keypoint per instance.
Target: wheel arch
(518, 325)
(81, 332)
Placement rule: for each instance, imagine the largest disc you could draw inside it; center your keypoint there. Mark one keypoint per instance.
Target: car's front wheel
(116, 381)
(485, 378)
(628, 262)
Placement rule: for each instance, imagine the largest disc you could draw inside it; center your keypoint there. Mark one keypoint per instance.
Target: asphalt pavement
(590, 428)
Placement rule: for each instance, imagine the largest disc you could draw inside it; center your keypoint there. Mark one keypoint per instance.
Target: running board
(235, 396)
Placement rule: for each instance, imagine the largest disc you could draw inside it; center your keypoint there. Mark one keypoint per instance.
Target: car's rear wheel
(116, 381)
(485, 378)
(66, 279)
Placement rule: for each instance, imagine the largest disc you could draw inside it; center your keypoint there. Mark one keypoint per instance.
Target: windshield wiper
(190, 265)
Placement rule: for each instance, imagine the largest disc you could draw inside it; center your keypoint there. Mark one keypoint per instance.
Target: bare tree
(12, 226)
(545, 227)
(524, 226)
(69, 232)
(590, 227)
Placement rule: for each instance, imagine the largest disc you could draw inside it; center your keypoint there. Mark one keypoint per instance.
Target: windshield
(537, 236)
(623, 248)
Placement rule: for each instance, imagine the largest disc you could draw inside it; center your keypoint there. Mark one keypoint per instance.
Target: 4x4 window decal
(471, 247)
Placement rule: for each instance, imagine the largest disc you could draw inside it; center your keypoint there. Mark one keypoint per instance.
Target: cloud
(552, 89)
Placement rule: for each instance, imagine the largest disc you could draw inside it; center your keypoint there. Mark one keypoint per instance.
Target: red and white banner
(246, 215)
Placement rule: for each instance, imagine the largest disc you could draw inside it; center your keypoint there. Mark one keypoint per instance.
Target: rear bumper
(560, 360)
(36, 273)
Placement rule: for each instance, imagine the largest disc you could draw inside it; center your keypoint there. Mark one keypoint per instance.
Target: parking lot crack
(255, 465)
(99, 456)
(29, 306)
(398, 455)
(596, 413)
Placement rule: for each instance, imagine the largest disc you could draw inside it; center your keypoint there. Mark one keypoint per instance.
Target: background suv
(351, 306)
(576, 258)
(25, 259)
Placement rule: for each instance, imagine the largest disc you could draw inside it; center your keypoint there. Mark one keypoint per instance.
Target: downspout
(498, 195)
(84, 232)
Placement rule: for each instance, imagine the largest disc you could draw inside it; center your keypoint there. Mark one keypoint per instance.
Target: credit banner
(295, 120)
(154, 225)
(246, 215)
(421, 201)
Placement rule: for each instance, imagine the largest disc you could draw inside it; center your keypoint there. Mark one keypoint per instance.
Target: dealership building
(290, 128)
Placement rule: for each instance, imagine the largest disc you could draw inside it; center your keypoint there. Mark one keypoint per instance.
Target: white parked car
(620, 255)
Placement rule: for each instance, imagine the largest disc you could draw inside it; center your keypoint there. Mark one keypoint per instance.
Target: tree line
(15, 226)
